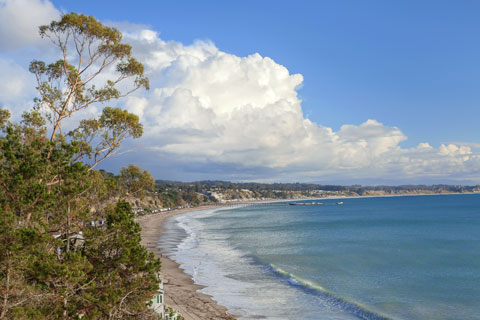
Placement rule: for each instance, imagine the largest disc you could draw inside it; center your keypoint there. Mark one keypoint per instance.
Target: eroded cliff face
(158, 201)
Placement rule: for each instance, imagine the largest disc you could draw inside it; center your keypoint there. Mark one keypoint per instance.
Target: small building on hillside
(158, 301)
(96, 223)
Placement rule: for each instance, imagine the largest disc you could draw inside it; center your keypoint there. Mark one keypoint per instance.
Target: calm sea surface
(412, 257)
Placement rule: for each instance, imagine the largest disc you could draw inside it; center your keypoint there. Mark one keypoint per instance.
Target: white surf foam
(234, 280)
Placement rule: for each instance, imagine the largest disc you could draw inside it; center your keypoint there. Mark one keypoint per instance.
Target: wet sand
(180, 291)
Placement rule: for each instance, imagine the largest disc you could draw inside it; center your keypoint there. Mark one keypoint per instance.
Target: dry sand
(180, 291)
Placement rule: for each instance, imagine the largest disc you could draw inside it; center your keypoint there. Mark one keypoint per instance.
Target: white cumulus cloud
(16, 89)
(14, 79)
(214, 107)
(240, 117)
(20, 19)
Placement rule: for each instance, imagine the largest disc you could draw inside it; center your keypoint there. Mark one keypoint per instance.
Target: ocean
(408, 257)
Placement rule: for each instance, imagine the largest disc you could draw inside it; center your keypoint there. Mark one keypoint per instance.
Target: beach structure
(73, 240)
(137, 210)
(306, 203)
(158, 303)
(96, 223)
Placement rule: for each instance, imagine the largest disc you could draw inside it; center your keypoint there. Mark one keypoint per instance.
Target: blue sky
(325, 91)
(410, 64)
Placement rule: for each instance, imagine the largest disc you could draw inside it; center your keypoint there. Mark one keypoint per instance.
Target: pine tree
(53, 265)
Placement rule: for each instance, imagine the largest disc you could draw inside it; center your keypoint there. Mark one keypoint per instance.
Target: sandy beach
(180, 291)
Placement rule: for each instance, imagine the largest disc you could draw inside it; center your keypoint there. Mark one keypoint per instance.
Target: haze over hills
(171, 194)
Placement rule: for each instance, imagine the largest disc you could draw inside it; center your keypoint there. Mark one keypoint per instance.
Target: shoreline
(181, 293)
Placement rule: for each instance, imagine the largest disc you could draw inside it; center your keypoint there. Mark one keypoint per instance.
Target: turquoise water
(415, 257)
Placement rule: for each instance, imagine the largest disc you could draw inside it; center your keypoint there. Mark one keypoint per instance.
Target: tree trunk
(5, 296)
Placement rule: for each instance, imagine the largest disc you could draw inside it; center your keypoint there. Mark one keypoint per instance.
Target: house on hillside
(96, 223)
(158, 301)
(71, 241)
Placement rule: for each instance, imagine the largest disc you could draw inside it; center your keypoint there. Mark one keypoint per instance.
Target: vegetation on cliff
(60, 258)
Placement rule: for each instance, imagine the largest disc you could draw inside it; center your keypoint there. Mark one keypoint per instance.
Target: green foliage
(98, 139)
(52, 264)
(66, 86)
(4, 116)
(125, 273)
(109, 276)
(135, 181)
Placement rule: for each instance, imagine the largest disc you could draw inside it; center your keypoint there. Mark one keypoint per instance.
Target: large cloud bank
(239, 117)
(214, 107)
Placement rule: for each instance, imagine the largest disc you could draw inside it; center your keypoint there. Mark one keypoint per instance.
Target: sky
(347, 92)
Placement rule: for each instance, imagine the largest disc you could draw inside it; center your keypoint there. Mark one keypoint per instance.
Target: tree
(135, 181)
(126, 280)
(52, 264)
(70, 84)
(32, 269)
